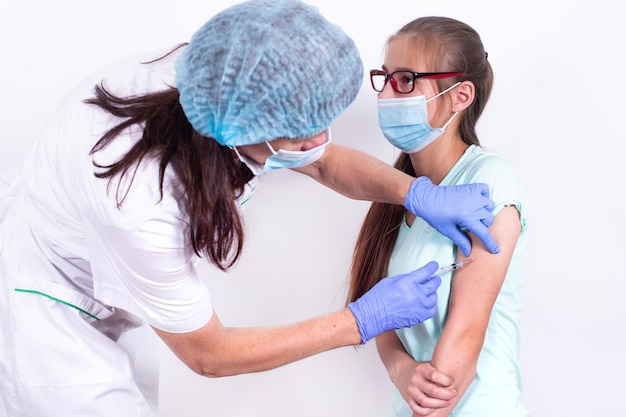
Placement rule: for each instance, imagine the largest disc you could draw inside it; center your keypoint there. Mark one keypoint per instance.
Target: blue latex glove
(453, 209)
(397, 302)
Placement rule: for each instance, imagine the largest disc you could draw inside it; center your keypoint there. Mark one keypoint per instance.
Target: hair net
(265, 69)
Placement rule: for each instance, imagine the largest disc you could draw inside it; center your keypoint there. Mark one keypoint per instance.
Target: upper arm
(474, 292)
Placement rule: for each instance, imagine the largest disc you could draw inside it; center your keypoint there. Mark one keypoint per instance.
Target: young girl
(433, 87)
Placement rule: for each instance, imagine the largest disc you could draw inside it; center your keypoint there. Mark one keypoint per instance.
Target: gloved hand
(448, 208)
(397, 302)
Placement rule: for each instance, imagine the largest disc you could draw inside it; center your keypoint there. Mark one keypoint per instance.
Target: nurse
(144, 169)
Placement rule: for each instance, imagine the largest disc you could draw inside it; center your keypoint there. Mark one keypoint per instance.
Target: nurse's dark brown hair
(211, 177)
(447, 45)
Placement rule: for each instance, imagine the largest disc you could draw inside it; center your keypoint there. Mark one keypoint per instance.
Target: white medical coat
(80, 276)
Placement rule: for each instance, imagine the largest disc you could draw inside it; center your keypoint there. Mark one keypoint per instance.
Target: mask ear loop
(234, 148)
(271, 149)
(443, 92)
(450, 120)
(325, 131)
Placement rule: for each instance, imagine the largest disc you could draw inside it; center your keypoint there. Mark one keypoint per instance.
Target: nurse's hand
(452, 209)
(397, 302)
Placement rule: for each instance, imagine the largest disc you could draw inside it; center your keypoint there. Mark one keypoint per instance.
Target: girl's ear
(462, 96)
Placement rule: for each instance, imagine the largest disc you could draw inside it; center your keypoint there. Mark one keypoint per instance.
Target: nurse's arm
(473, 294)
(216, 351)
(359, 176)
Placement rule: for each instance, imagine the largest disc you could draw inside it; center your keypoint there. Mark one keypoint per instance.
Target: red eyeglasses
(403, 82)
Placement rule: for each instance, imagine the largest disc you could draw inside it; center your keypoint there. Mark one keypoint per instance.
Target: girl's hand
(425, 389)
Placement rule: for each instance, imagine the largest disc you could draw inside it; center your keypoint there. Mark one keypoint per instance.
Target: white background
(556, 112)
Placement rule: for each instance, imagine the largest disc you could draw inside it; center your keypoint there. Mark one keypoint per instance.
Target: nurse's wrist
(353, 332)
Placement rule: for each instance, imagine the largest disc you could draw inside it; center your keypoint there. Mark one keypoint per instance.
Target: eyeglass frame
(416, 75)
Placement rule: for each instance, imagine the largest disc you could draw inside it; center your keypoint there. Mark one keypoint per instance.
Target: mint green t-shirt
(496, 389)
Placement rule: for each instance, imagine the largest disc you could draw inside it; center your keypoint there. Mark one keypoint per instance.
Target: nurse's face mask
(284, 159)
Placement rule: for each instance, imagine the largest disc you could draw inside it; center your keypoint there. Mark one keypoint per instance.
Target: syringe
(453, 266)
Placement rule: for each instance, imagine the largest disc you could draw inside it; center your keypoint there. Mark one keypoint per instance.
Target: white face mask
(285, 159)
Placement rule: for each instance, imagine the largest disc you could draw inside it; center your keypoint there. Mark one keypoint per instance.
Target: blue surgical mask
(404, 122)
(285, 159)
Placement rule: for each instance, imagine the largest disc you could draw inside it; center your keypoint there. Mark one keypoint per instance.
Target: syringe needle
(453, 266)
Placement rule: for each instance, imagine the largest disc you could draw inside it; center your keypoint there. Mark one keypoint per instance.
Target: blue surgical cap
(265, 69)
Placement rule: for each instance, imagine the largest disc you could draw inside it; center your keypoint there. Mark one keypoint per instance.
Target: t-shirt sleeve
(142, 261)
(505, 185)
